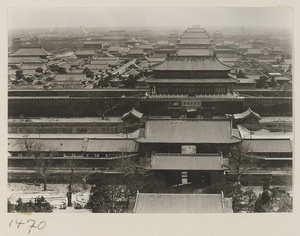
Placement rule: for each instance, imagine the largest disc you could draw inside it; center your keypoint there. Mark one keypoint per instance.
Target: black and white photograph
(150, 109)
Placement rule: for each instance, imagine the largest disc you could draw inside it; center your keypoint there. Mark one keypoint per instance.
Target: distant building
(135, 53)
(36, 51)
(85, 54)
(116, 37)
(92, 45)
(195, 38)
(253, 53)
(248, 117)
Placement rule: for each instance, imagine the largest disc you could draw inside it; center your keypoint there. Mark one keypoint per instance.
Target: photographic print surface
(150, 110)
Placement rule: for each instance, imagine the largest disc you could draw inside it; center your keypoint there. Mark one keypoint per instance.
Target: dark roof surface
(195, 30)
(179, 203)
(19, 60)
(30, 51)
(194, 52)
(192, 81)
(195, 41)
(188, 131)
(194, 35)
(205, 63)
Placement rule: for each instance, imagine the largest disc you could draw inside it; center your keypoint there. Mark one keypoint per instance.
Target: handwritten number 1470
(30, 223)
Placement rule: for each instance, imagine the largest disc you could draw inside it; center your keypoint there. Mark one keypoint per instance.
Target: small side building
(248, 117)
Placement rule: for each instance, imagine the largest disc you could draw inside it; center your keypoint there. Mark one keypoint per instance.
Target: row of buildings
(186, 122)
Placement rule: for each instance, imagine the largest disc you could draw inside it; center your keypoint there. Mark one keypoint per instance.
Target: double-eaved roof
(200, 41)
(193, 131)
(194, 52)
(30, 52)
(19, 60)
(211, 162)
(181, 203)
(195, 30)
(195, 35)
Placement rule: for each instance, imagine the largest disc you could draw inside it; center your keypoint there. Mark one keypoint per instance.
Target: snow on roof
(162, 161)
(245, 114)
(188, 131)
(134, 113)
(181, 203)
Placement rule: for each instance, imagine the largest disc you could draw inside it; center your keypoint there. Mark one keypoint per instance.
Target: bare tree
(42, 161)
(108, 106)
(74, 179)
(241, 160)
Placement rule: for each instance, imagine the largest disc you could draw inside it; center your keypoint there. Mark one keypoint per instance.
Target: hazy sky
(148, 16)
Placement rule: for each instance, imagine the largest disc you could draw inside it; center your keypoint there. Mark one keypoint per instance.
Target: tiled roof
(117, 32)
(98, 62)
(268, 145)
(96, 66)
(106, 59)
(67, 77)
(194, 35)
(85, 52)
(136, 51)
(132, 72)
(192, 81)
(114, 37)
(187, 162)
(195, 30)
(254, 72)
(113, 48)
(282, 78)
(195, 41)
(188, 131)
(245, 46)
(19, 60)
(77, 145)
(134, 113)
(31, 66)
(180, 203)
(210, 63)
(92, 42)
(30, 51)
(228, 43)
(253, 51)
(143, 64)
(194, 52)
(146, 46)
(227, 55)
(246, 81)
(245, 114)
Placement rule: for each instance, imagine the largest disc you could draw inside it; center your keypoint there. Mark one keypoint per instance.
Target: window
(20, 154)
